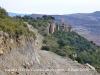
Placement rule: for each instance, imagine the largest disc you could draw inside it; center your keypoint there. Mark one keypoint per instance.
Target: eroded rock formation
(65, 27)
(51, 27)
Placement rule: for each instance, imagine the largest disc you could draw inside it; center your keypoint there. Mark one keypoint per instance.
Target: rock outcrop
(51, 27)
(65, 27)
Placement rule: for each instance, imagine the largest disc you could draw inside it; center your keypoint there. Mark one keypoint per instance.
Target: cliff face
(16, 52)
(8, 42)
(65, 27)
(51, 27)
(21, 56)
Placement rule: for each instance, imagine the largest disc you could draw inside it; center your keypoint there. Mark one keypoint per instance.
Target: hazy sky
(51, 6)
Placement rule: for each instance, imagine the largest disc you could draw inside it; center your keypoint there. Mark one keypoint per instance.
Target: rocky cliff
(20, 55)
(51, 27)
(16, 52)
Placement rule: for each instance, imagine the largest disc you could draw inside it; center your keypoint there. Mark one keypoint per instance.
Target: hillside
(28, 59)
(67, 43)
(85, 24)
(24, 41)
(90, 21)
(13, 26)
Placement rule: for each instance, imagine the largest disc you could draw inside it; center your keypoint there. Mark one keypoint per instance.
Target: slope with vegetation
(12, 25)
(66, 43)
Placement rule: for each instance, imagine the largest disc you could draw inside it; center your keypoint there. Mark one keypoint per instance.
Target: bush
(3, 13)
(79, 59)
(13, 25)
(71, 56)
(47, 48)
(60, 52)
(45, 34)
(61, 43)
(45, 41)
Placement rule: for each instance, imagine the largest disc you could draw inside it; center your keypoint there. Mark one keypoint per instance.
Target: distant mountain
(14, 14)
(81, 18)
(36, 15)
(77, 19)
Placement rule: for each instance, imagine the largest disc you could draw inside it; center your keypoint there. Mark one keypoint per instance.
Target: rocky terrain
(21, 55)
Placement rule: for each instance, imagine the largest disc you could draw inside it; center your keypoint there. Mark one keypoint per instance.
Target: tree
(61, 43)
(18, 16)
(51, 17)
(45, 17)
(3, 13)
(71, 57)
(60, 52)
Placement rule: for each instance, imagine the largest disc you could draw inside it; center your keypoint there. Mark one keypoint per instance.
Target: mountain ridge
(14, 14)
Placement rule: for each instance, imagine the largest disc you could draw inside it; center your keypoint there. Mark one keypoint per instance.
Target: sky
(51, 6)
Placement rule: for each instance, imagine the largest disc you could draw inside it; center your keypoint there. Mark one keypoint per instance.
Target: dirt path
(39, 37)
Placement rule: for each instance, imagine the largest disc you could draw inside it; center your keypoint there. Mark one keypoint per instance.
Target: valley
(92, 34)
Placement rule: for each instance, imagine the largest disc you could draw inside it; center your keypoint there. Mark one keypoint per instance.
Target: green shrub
(45, 41)
(3, 13)
(79, 59)
(45, 48)
(61, 43)
(13, 25)
(25, 25)
(71, 57)
(45, 34)
(60, 52)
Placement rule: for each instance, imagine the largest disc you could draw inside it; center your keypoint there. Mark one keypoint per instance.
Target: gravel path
(39, 37)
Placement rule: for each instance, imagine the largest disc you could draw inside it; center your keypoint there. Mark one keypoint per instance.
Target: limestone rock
(48, 26)
(51, 27)
(1, 52)
(6, 35)
(1, 33)
(65, 27)
(90, 66)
